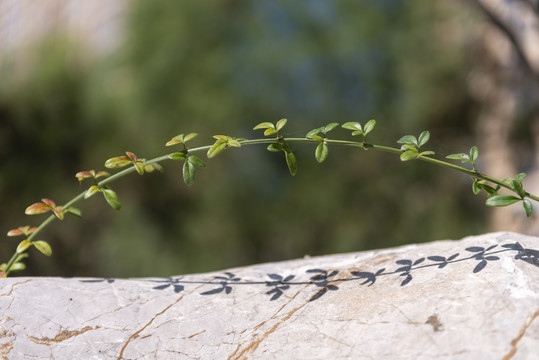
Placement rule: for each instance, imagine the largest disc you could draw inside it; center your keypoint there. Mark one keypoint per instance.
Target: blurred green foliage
(221, 67)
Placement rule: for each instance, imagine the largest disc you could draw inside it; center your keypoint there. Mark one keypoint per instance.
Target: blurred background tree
(221, 67)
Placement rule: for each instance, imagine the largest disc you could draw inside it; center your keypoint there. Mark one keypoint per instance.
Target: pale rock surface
(477, 298)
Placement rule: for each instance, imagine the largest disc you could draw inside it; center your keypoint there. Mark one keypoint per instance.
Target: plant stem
(363, 145)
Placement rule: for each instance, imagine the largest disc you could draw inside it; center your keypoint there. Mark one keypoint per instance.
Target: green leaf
(352, 126)
(264, 125)
(275, 147)
(459, 156)
(269, 132)
(520, 176)
(423, 138)
(188, 173)
(408, 155)
(23, 245)
(111, 198)
(528, 207)
(189, 137)
(74, 211)
(517, 186)
(369, 126)
(91, 191)
(501, 200)
(474, 154)
(117, 162)
(216, 148)
(316, 137)
(151, 167)
(18, 266)
(476, 187)
(426, 153)
(321, 152)
(280, 124)
(291, 162)
(195, 160)
(358, 132)
(175, 140)
(177, 156)
(314, 132)
(408, 139)
(139, 167)
(329, 127)
(44, 247)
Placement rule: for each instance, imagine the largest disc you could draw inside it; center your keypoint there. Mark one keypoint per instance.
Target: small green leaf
(423, 138)
(43, 246)
(275, 147)
(18, 266)
(459, 156)
(233, 142)
(352, 126)
(314, 132)
(151, 167)
(177, 156)
(269, 132)
(188, 173)
(264, 125)
(74, 211)
(426, 153)
(329, 127)
(280, 124)
(408, 139)
(358, 132)
(91, 191)
(216, 148)
(321, 152)
(190, 136)
(502, 200)
(316, 137)
(528, 207)
(117, 162)
(474, 154)
(369, 126)
(111, 198)
(291, 162)
(23, 245)
(408, 155)
(517, 186)
(476, 187)
(139, 167)
(520, 176)
(195, 160)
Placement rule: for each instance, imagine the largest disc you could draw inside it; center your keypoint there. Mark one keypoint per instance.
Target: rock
(477, 298)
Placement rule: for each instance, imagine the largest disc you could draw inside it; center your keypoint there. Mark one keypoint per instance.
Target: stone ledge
(476, 298)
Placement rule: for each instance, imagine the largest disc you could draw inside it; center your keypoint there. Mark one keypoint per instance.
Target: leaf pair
(504, 200)
(41, 245)
(223, 142)
(411, 146)
(289, 155)
(191, 162)
(47, 205)
(122, 161)
(181, 139)
(109, 195)
(322, 150)
(271, 129)
(357, 129)
(466, 158)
